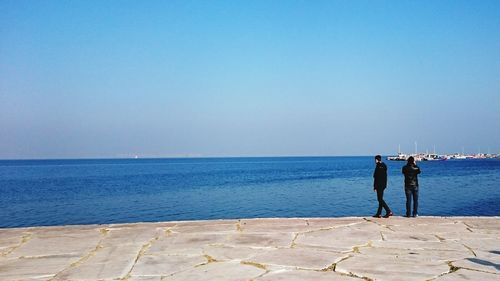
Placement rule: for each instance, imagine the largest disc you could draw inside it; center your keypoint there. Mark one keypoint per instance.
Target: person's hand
(374, 189)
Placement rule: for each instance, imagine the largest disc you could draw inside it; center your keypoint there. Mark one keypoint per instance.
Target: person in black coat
(379, 184)
(411, 170)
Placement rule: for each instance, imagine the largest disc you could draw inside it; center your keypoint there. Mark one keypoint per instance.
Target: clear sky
(247, 78)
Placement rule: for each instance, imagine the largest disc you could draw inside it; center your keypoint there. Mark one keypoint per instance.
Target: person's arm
(418, 170)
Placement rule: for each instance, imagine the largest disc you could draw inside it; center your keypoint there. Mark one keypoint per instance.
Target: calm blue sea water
(57, 192)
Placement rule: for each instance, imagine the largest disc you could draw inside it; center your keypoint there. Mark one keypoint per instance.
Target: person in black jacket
(379, 184)
(411, 170)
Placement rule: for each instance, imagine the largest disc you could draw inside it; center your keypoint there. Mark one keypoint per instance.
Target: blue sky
(247, 78)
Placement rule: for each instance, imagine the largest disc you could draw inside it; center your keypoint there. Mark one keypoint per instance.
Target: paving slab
(482, 261)
(12, 239)
(423, 248)
(304, 275)
(421, 245)
(144, 278)
(185, 244)
(341, 239)
(226, 253)
(43, 268)
(477, 223)
(274, 225)
(298, 258)
(463, 274)
(391, 268)
(261, 239)
(105, 263)
(219, 271)
(164, 265)
(76, 243)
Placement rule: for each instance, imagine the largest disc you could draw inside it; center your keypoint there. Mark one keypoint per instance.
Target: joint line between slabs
(24, 239)
(104, 232)
(141, 252)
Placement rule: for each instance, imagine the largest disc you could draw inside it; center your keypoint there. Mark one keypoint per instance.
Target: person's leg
(408, 201)
(380, 198)
(386, 207)
(415, 202)
(384, 204)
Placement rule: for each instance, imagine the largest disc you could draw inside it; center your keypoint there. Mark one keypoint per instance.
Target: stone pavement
(424, 248)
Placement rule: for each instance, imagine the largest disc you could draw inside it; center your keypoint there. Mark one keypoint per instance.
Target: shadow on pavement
(484, 262)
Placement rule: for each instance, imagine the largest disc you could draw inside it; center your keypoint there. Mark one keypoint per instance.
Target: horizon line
(199, 157)
(181, 157)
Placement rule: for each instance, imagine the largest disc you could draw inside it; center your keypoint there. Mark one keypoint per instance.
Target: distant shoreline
(195, 157)
(183, 157)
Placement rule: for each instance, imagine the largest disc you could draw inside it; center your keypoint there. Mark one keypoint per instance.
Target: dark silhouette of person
(379, 184)
(411, 170)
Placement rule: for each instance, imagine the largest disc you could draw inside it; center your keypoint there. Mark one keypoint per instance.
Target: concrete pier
(423, 248)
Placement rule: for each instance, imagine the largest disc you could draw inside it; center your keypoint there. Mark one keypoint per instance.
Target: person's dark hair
(411, 160)
(378, 157)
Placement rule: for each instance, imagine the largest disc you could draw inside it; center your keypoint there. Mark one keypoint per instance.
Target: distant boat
(400, 157)
(433, 157)
(458, 156)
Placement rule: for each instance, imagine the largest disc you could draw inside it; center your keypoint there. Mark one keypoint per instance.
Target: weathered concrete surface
(424, 248)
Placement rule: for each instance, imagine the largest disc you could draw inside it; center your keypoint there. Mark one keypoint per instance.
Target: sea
(102, 191)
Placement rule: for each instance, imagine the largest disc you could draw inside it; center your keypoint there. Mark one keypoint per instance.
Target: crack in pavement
(352, 274)
(333, 266)
(209, 258)
(468, 227)
(183, 270)
(292, 245)
(141, 252)
(258, 265)
(478, 270)
(355, 249)
(470, 249)
(103, 232)
(441, 239)
(168, 231)
(382, 236)
(255, 264)
(330, 227)
(348, 273)
(24, 239)
(454, 268)
(238, 226)
(379, 224)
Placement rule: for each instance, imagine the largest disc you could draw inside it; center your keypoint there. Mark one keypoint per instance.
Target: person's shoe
(407, 216)
(376, 216)
(388, 215)
(415, 215)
